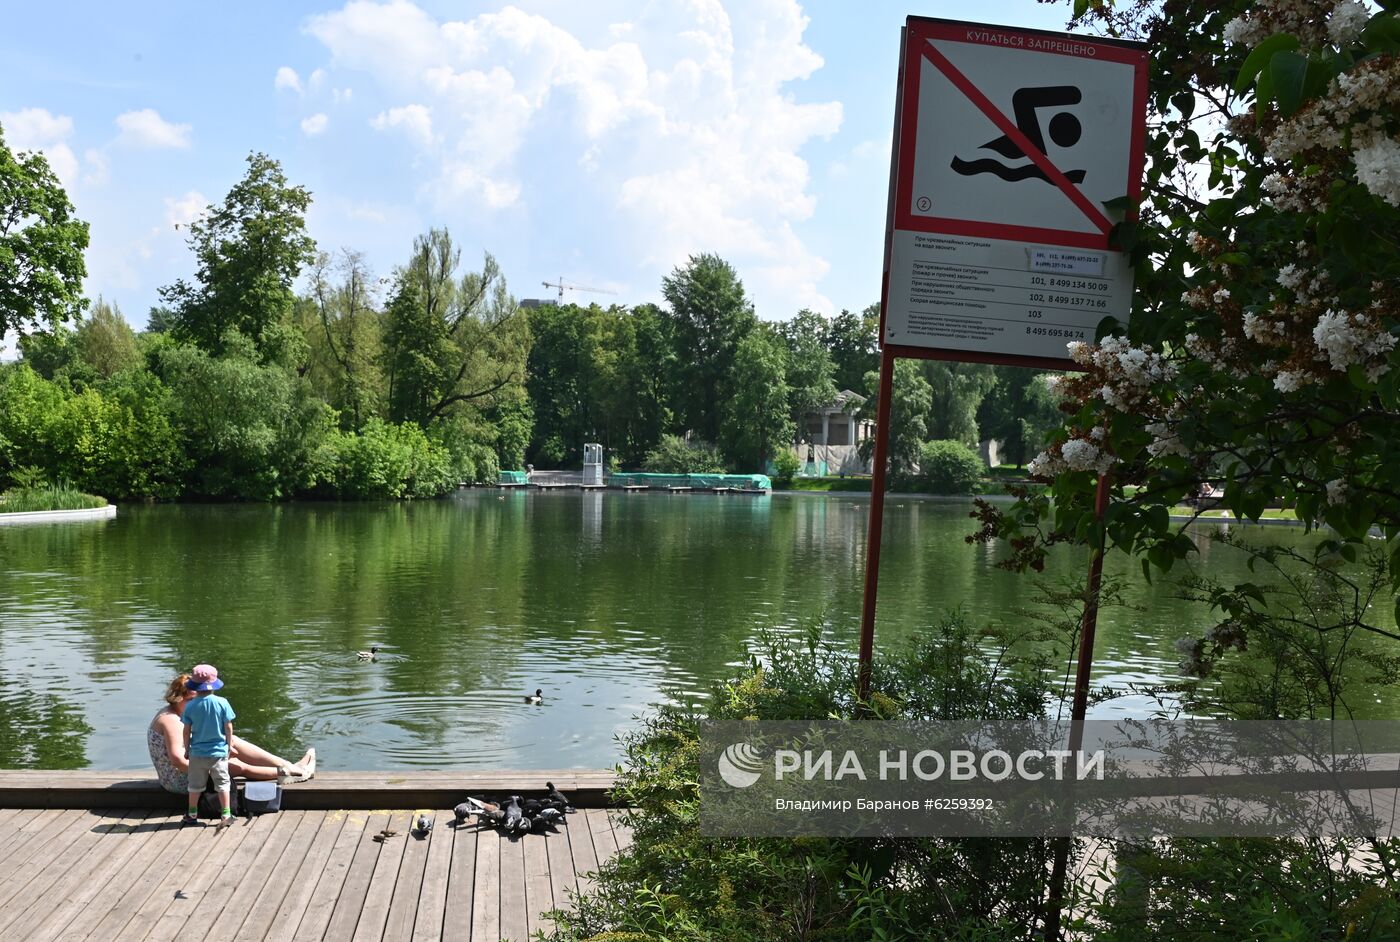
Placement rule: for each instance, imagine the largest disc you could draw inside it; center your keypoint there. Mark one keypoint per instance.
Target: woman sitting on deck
(165, 738)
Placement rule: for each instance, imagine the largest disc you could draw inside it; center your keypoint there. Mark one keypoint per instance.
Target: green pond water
(610, 602)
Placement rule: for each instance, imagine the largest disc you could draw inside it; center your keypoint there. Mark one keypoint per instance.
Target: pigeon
(549, 816)
(516, 821)
(536, 697)
(462, 812)
(368, 655)
(422, 826)
(557, 798)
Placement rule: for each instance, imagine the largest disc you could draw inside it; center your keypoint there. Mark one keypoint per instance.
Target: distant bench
(81, 788)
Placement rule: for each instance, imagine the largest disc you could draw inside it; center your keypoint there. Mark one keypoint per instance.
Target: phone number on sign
(1056, 332)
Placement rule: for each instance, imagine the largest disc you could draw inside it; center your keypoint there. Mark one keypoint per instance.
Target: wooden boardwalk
(136, 874)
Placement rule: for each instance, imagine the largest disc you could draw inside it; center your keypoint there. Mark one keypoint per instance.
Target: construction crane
(561, 284)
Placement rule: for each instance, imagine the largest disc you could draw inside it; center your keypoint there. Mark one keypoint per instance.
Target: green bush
(385, 462)
(674, 455)
(786, 464)
(948, 467)
(30, 499)
(677, 885)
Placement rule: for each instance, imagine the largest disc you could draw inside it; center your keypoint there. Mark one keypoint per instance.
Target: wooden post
(1055, 900)
(876, 525)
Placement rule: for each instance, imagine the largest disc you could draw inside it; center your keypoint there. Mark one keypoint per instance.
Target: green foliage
(50, 353)
(18, 500)
(677, 885)
(958, 390)
(710, 317)
(756, 421)
(910, 402)
(786, 464)
(384, 462)
(249, 249)
(450, 345)
(105, 341)
(948, 467)
(854, 343)
(344, 338)
(41, 245)
(251, 429)
(810, 370)
(674, 455)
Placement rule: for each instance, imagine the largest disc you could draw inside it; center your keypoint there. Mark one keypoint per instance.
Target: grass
(858, 485)
(1271, 513)
(31, 499)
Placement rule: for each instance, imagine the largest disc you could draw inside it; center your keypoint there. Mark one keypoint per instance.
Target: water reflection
(607, 601)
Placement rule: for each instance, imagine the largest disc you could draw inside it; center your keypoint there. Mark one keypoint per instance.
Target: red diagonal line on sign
(1008, 127)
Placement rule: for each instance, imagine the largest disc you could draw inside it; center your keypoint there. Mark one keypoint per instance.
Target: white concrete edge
(59, 516)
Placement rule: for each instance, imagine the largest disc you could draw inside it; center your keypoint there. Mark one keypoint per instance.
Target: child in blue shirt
(208, 723)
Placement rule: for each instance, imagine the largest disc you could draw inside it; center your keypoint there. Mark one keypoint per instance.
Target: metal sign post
(1008, 143)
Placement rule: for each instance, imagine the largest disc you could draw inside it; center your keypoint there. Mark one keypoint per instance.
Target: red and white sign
(1008, 144)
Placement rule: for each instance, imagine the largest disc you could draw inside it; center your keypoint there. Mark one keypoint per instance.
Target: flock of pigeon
(516, 815)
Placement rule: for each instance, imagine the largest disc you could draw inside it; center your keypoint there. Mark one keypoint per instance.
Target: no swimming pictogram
(1012, 134)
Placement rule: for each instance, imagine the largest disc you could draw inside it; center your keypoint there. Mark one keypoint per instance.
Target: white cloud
(38, 129)
(414, 120)
(98, 167)
(314, 125)
(180, 211)
(287, 78)
(684, 121)
(146, 128)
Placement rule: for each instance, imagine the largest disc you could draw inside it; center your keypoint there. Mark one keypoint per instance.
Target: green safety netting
(747, 482)
(513, 477)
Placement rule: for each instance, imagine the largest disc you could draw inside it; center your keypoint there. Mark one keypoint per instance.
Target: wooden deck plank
(21, 900)
(112, 878)
(66, 896)
(321, 905)
(539, 896)
(303, 880)
(245, 872)
(429, 921)
(374, 913)
(28, 836)
(214, 851)
(136, 893)
(257, 916)
(514, 921)
(459, 904)
(581, 850)
(563, 879)
(604, 843)
(248, 883)
(63, 831)
(621, 831)
(486, 897)
(404, 906)
(185, 853)
(351, 900)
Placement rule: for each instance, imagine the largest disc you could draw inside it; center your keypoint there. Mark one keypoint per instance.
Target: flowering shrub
(1262, 349)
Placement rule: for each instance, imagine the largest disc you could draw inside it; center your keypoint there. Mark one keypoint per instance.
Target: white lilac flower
(1336, 491)
(1097, 433)
(1378, 168)
(1346, 342)
(1291, 277)
(1221, 295)
(1288, 380)
(1346, 22)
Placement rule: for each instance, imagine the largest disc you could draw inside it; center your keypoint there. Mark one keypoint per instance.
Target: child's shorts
(214, 768)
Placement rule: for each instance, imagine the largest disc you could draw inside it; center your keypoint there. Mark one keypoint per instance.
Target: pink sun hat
(204, 677)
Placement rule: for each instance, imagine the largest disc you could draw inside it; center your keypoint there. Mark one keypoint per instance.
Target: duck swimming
(368, 655)
(536, 697)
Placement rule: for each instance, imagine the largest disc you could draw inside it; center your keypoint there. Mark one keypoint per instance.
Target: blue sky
(602, 141)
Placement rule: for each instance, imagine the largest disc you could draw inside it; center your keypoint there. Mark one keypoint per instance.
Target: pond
(608, 601)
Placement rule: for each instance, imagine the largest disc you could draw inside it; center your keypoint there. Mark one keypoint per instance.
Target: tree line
(282, 370)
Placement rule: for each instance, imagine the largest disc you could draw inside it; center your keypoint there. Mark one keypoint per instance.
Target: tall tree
(853, 341)
(755, 413)
(910, 401)
(250, 249)
(450, 344)
(106, 342)
(343, 289)
(563, 340)
(810, 370)
(41, 245)
(958, 390)
(711, 316)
